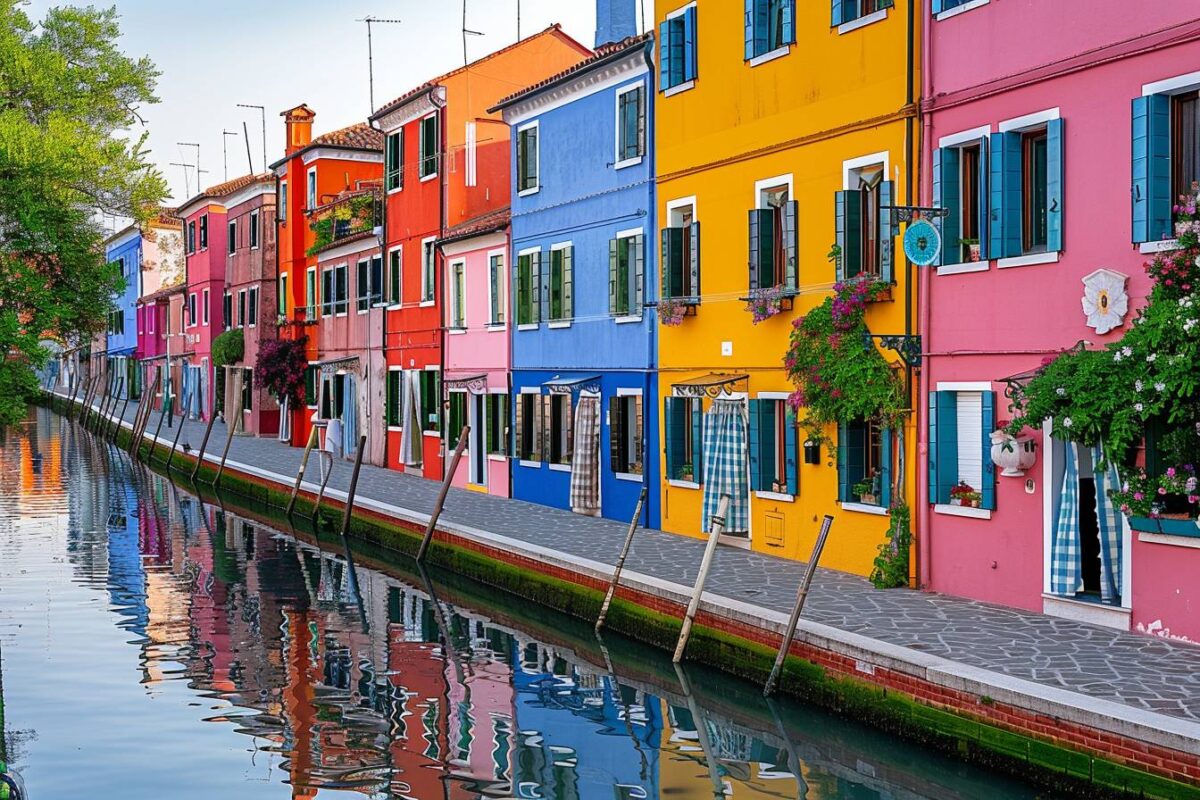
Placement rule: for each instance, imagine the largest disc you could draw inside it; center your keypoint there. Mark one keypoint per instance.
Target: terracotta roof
(166, 291)
(226, 188)
(603, 53)
(359, 135)
(487, 223)
(554, 30)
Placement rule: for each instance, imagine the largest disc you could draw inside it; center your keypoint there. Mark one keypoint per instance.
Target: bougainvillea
(280, 369)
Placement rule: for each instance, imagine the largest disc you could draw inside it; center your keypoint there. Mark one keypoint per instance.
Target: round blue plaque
(922, 243)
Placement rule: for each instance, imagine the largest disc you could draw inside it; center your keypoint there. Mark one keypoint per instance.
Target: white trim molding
(862, 22)
(778, 52)
(863, 508)
(1029, 120)
(962, 511)
(1028, 260)
(965, 137)
(964, 268)
(1176, 85)
(851, 164)
(970, 5)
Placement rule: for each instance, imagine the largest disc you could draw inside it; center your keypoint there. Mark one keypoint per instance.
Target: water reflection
(345, 676)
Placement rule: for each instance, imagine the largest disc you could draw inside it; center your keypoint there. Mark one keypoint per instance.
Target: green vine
(341, 219)
(891, 565)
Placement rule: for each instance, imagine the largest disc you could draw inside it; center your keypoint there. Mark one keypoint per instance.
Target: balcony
(351, 214)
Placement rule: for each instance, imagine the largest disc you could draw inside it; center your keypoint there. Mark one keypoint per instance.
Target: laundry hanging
(411, 436)
(1066, 569)
(285, 420)
(585, 461)
(1108, 521)
(726, 460)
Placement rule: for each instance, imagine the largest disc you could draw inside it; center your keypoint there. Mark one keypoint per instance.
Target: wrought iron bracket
(909, 213)
(907, 347)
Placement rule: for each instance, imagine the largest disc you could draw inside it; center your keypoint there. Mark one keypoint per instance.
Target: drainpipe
(383, 254)
(924, 561)
(438, 289)
(652, 337)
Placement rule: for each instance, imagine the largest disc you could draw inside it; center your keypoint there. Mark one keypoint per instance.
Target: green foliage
(891, 565)
(67, 97)
(228, 348)
(840, 376)
(343, 218)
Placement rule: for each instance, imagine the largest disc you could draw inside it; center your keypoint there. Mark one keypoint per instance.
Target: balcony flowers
(1172, 495)
(1187, 212)
(963, 494)
(766, 302)
(671, 311)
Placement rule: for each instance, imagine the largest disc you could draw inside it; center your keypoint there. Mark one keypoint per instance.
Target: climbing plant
(891, 565)
(228, 348)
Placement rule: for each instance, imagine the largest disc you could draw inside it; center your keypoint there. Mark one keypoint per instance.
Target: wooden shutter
(638, 430)
(931, 462)
(568, 281)
(944, 460)
(639, 108)
(789, 22)
(697, 406)
(694, 261)
(540, 300)
(637, 288)
(791, 452)
(1151, 191)
(542, 446)
(1005, 169)
(519, 428)
(848, 224)
(946, 195)
(672, 262)
(673, 432)
(856, 463)
(988, 424)
(1054, 185)
(689, 44)
(520, 279)
(843, 474)
(761, 248)
(755, 442)
(938, 6)
(612, 276)
(885, 461)
(665, 61)
(791, 244)
(886, 233)
(839, 13)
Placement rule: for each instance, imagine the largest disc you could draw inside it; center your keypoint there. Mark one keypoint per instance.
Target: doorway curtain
(726, 459)
(585, 461)
(1066, 568)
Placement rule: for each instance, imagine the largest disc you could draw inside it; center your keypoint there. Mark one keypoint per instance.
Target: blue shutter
(694, 263)
(689, 44)
(756, 28)
(672, 262)
(931, 461)
(789, 22)
(887, 234)
(843, 473)
(1054, 185)
(755, 438)
(791, 448)
(762, 247)
(848, 224)
(697, 439)
(664, 56)
(937, 6)
(1006, 195)
(791, 244)
(946, 456)
(1151, 191)
(981, 199)
(946, 195)
(839, 15)
(988, 418)
(885, 460)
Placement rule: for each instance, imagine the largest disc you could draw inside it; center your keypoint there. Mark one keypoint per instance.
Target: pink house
(162, 274)
(1037, 140)
(477, 350)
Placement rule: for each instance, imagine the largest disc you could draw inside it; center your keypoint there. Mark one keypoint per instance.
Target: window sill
(497, 457)
(1159, 246)
(629, 162)
(390, 428)
(1166, 538)
(497, 328)
(965, 267)
(395, 306)
(1028, 260)
(962, 511)
(965, 7)
(559, 324)
(432, 434)
(456, 331)
(782, 498)
(427, 304)
(678, 88)
(397, 189)
(683, 484)
(862, 22)
(779, 52)
(1095, 613)
(627, 319)
(528, 326)
(530, 464)
(429, 177)
(629, 476)
(560, 467)
(528, 192)
(863, 508)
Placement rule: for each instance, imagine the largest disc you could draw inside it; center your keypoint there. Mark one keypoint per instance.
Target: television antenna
(225, 150)
(369, 19)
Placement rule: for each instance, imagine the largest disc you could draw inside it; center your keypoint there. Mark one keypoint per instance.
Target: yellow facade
(806, 116)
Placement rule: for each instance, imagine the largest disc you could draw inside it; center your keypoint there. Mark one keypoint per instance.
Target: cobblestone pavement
(1141, 671)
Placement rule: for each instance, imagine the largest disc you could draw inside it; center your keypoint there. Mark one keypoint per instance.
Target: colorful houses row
(599, 274)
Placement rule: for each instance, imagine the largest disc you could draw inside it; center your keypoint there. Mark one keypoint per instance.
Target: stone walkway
(1147, 673)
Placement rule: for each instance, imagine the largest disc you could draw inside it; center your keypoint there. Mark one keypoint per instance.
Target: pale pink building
(477, 349)
(1036, 142)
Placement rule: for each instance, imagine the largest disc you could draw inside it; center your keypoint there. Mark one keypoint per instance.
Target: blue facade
(584, 269)
(125, 249)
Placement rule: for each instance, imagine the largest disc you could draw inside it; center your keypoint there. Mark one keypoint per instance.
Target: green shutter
(791, 244)
(1054, 185)
(697, 406)
(791, 453)
(637, 290)
(843, 473)
(755, 436)
(856, 461)
(616, 435)
(848, 232)
(672, 262)
(762, 248)
(694, 261)
(518, 444)
(612, 277)
(674, 430)
(887, 232)
(540, 300)
(568, 281)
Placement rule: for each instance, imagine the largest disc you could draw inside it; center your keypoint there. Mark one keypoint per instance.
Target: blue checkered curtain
(1066, 571)
(1109, 525)
(350, 416)
(726, 462)
(585, 461)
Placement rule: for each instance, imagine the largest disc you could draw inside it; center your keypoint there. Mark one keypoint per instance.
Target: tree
(68, 99)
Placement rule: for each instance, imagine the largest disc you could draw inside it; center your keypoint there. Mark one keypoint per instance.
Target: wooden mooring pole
(349, 507)
(71, 402)
(612, 587)
(85, 401)
(312, 437)
(212, 417)
(441, 498)
(119, 418)
(178, 431)
(801, 597)
(140, 430)
(232, 429)
(716, 528)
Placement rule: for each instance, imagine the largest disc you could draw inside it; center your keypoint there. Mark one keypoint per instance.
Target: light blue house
(583, 231)
(124, 249)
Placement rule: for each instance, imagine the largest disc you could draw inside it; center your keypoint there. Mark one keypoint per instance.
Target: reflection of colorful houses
(126, 576)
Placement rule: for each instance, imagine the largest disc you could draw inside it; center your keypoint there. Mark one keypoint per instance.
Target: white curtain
(285, 420)
(410, 437)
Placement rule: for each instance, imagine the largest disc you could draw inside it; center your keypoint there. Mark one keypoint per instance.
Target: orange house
(447, 162)
(313, 173)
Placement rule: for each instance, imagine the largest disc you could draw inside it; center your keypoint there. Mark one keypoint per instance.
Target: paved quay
(1149, 683)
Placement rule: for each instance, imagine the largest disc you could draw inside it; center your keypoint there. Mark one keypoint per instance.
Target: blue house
(584, 352)
(124, 249)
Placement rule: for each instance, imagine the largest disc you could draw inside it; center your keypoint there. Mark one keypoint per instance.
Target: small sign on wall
(726, 348)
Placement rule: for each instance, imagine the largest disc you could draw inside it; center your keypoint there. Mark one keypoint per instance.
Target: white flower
(1137, 385)
(1160, 386)
(1138, 407)
(1117, 356)
(1127, 351)
(1062, 392)
(1150, 359)
(1067, 422)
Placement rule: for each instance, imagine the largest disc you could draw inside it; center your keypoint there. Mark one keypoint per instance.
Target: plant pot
(685, 476)
(867, 499)
(1173, 526)
(1012, 455)
(973, 252)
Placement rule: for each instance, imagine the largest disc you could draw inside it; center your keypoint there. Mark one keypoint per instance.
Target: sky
(280, 54)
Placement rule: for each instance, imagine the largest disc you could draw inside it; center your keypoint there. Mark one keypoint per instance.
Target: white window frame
(1178, 84)
(964, 8)
(760, 188)
(357, 263)
(624, 90)
(1016, 125)
(548, 277)
(631, 392)
(428, 246)
(630, 233)
(863, 21)
(537, 187)
(399, 274)
(534, 390)
(400, 427)
(776, 496)
(452, 304)
(470, 139)
(242, 311)
(252, 307)
(281, 209)
(946, 508)
(421, 145)
(204, 308)
(345, 267)
(527, 326)
(311, 186)
(254, 235)
(231, 236)
(503, 392)
(956, 140)
(502, 283)
(399, 132)
(681, 87)
(851, 165)
(316, 294)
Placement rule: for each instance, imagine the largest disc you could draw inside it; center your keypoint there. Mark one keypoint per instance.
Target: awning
(336, 365)
(1014, 385)
(560, 385)
(475, 384)
(714, 384)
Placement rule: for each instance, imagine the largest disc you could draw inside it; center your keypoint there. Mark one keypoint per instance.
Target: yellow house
(783, 128)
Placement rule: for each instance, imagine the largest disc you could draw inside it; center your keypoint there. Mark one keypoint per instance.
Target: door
(477, 415)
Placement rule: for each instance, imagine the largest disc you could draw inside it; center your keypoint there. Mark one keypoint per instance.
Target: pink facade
(162, 274)
(205, 244)
(477, 349)
(1053, 75)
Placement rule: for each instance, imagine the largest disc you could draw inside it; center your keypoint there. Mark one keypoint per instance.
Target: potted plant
(766, 302)
(963, 494)
(1187, 212)
(866, 489)
(1167, 503)
(971, 249)
(685, 472)
(1011, 454)
(671, 311)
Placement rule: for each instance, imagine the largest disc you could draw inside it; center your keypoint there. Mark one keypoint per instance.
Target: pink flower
(1139, 496)
(1162, 490)
(1170, 472)
(1193, 499)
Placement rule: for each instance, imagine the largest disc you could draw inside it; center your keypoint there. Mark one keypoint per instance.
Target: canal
(155, 644)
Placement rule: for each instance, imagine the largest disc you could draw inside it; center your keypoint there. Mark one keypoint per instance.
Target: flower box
(1168, 525)
(868, 499)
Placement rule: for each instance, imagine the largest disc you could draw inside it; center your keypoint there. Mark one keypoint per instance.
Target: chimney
(615, 20)
(298, 122)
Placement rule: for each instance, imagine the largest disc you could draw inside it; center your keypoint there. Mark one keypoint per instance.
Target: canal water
(154, 644)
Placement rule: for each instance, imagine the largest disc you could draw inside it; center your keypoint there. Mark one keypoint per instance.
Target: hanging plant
(767, 302)
(671, 311)
(281, 369)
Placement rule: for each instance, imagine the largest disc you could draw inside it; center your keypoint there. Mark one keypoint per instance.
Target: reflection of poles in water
(355, 590)
(701, 723)
(3, 735)
(793, 756)
(439, 616)
(616, 690)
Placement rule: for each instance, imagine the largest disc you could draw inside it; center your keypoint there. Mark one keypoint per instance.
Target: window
(203, 231)
(310, 293)
(631, 126)
(429, 146)
(497, 424)
(247, 389)
(770, 26)
(959, 185)
(281, 291)
(327, 293)
(677, 48)
(341, 290)
(773, 439)
(428, 270)
(774, 238)
(232, 243)
(312, 188)
(254, 229)
(191, 309)
(252, 311)
(960, 427)
(496, 300)
(204, 307)
(395, 384)
(626, 267)
(394, 161)
(527, 438)
(560, 428)
(227, 311)
(376, 280)
(681, 255)
(1185, 143)
(311, 374)
(528, 278)
(864, 459)
(241, 311)
(528, 159)
(456, 416)
(191, 236)
(363, 282)
(849, 10)
(864, 231)
(281, 202)
(562, 302)
(940, 6)
(1026, 189)
(431, 399)
(395, 265)
(683, 425)
(458, 295)
(625, 433)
